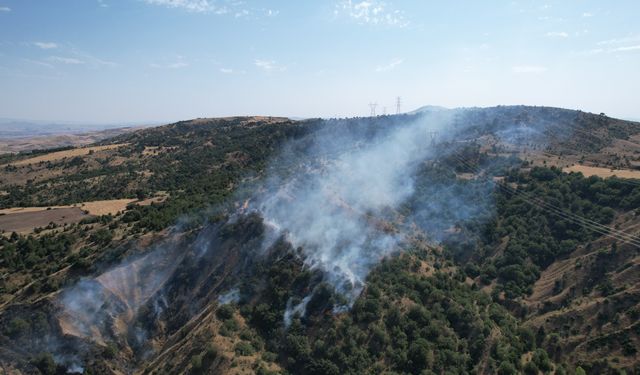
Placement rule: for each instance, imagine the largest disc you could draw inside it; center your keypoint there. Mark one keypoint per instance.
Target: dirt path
(484, 361)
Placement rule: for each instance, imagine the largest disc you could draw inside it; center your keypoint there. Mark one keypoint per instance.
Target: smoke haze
(345, 195)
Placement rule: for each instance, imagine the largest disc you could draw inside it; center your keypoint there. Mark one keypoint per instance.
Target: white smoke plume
(346, 182)
(332, 194)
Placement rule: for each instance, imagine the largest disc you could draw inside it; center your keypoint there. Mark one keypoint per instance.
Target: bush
(244, 348)
(45, 363)
(530, 368)
(17, 327)
(225, 312)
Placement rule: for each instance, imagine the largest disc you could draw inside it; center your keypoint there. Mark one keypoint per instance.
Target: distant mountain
(19, 128)
(429, 108)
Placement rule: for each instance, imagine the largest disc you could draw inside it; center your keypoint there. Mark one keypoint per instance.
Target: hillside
(441, 241)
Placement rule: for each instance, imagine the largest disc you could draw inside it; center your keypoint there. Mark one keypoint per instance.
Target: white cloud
(94, 61)
(226, 70)
(626, 48)
(594, 51)
(392, 65)
(528, 69)
(623, 44)
(241, 13)
(557, 34)
(65, 60)
(587, 14)
(73, 56)
(235, 7)
(174, 65)
(372, 12)
(190, 5)
(45, 45)
(597, 51)
(40, 63)
(178, 65)
(5, 9)
(272, 13)
(269, 66)
(618, 41)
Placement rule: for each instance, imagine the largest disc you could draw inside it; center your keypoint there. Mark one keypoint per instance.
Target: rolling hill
(476, 240)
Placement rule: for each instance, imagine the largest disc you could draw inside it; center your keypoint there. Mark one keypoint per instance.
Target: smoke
(232, 296)
(337, 206)
(346, 196)
(110, 301)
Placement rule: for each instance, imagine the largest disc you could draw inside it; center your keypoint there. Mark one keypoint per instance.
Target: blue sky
(108, 61)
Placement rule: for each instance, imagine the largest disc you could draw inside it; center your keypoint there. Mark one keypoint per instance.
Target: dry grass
(25, 219)
(97, 208)
(66, 154)
(588, 171)
(106, 207)
(151, 150)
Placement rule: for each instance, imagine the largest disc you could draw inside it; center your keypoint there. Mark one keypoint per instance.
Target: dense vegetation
(531, 234)
(457, 309)
(405, 322)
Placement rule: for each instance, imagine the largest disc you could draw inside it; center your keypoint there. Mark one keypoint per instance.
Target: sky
(112, 61)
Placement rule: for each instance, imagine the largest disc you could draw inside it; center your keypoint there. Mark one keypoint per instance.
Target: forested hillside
(484, 254)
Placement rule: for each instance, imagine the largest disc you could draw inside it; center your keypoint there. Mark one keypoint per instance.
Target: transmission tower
(398, 102)
(433, 136)
(373, 109)
(384, 111)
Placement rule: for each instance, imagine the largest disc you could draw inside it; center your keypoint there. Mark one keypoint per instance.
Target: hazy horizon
(82, 125)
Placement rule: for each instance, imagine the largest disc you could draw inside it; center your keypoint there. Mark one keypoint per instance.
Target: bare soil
(26, 221)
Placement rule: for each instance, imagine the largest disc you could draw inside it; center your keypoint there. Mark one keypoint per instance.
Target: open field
(97, 208)
(18, 210)
(602, 172)
(43, 142)
(66, 154)
(26, 221)
(106, 207)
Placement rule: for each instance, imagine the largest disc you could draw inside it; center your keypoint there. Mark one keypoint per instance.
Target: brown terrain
(22, 222)
(21, 144)
(26, 219)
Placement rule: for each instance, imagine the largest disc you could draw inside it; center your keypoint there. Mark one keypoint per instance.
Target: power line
(630, 181)
(398, 104)
(433, 135)
(599, 228)
(373, 109)
(590, 224)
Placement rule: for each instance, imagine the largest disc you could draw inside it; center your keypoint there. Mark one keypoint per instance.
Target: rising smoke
(334, 193)
(345, 178)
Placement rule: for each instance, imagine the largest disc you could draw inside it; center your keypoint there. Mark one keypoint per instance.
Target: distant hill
(16, 128)
(22, 135)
